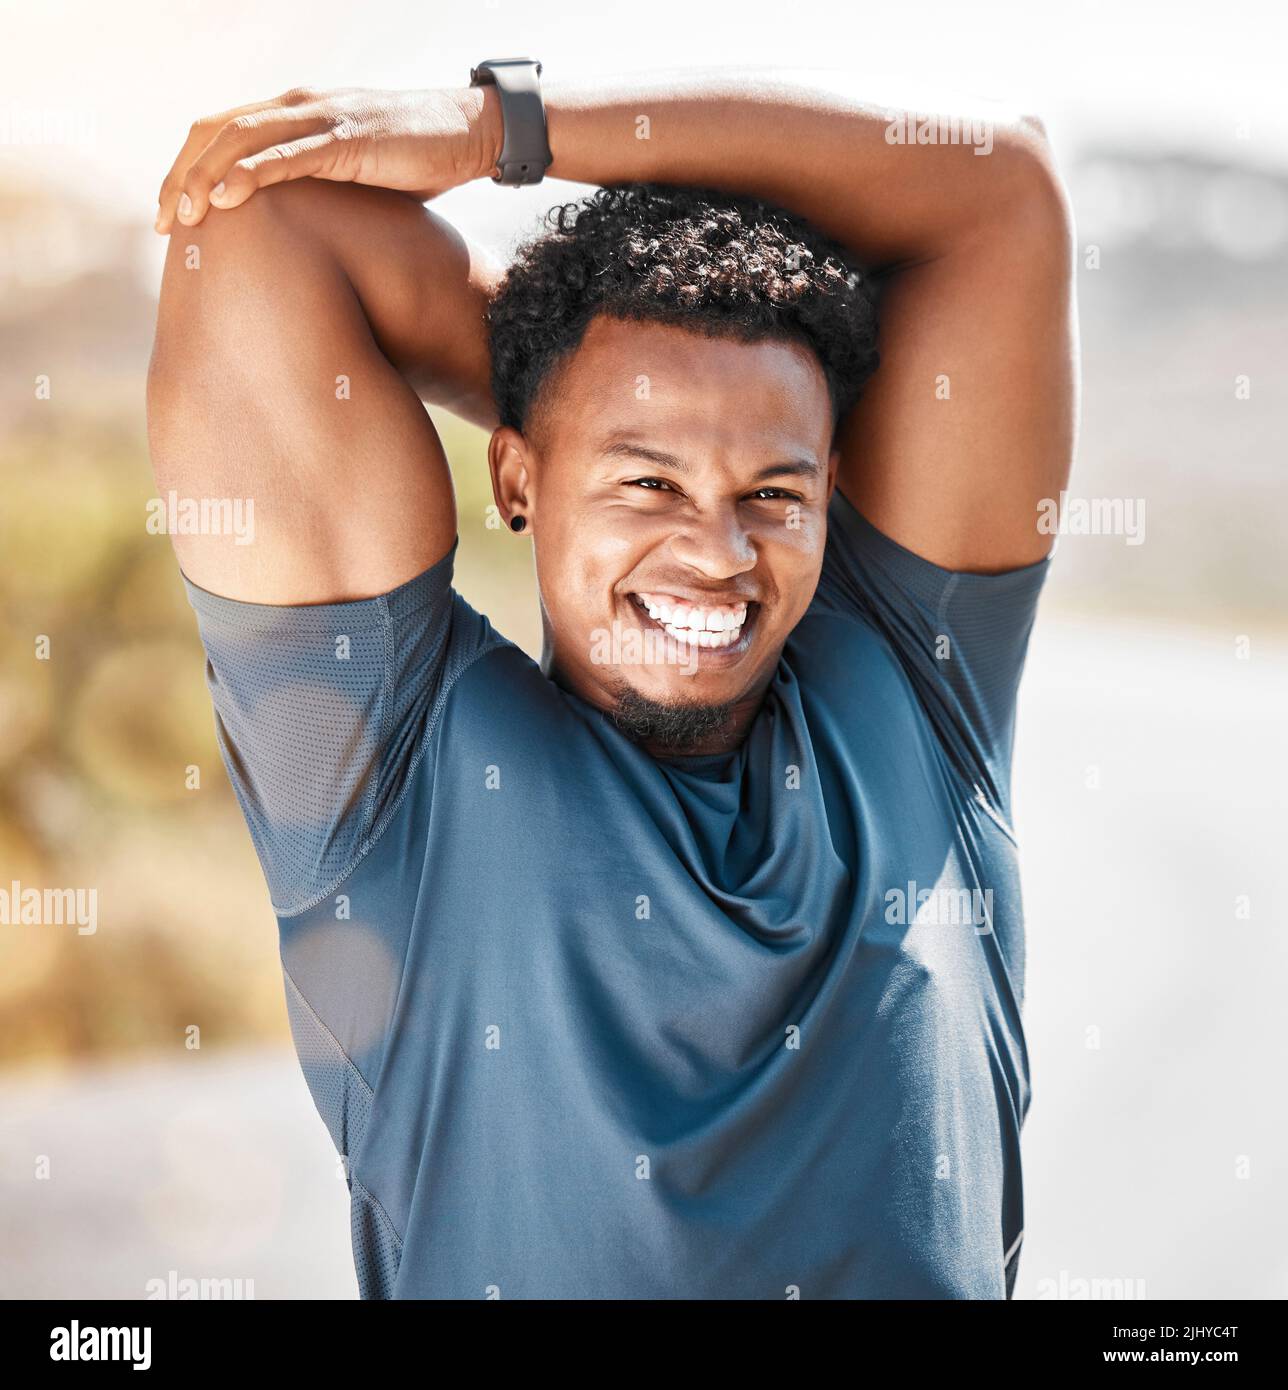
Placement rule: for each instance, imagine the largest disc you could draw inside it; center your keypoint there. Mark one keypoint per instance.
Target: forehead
(661, 378)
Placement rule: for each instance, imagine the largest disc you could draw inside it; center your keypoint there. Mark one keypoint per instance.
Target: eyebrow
(794, 467)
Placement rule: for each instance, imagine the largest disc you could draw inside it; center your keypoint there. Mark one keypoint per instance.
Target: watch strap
(525, 152)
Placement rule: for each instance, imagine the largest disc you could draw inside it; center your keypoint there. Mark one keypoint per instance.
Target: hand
(421, 143)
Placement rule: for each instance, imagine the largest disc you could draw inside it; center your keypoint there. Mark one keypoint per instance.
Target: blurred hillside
(94, 742)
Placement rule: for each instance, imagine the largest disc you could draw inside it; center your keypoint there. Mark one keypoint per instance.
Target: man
(688, 963)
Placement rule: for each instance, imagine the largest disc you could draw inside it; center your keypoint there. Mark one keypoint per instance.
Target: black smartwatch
(525, 152)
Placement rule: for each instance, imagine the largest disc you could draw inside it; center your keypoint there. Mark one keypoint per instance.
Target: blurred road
(1134, 1151)
(214, 1167)
(1157, 1148)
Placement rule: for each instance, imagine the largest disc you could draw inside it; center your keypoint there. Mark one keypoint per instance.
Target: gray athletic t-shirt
(590, 1024)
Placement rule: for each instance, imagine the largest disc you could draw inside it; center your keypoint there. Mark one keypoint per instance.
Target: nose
(715, 545)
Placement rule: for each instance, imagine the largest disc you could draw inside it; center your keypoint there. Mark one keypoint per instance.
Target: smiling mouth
(724, 627)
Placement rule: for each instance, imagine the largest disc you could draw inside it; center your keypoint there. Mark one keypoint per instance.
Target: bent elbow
(1041, 212)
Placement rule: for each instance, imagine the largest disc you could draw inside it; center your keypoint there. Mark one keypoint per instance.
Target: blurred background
(1151, 757)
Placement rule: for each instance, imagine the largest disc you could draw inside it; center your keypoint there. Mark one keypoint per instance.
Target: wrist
(482, 108)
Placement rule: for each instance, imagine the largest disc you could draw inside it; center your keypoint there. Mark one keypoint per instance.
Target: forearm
(804, 139)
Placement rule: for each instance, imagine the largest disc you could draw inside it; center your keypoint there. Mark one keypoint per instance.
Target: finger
(242, 138)
(201, 133)
(310, 157)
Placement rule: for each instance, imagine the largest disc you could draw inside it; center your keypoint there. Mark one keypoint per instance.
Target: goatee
(678, 727)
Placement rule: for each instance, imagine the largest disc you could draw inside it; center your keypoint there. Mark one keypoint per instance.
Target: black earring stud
(517, 523)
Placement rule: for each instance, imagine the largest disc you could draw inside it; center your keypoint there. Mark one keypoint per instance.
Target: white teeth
(690, 637)
(691, 618)
(691, 626)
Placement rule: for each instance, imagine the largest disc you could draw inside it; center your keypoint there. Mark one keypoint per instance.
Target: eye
(772, 494)
(653, 484)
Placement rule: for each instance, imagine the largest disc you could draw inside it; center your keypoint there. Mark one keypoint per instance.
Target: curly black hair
(713, 262)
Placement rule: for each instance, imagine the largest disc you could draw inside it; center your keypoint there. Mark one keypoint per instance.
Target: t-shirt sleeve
(321, 711)
(961, 638)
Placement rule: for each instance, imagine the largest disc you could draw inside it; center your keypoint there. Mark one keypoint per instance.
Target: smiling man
(671, 425)
(629, 974)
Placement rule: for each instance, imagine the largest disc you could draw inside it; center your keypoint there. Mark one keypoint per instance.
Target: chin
(694, 684)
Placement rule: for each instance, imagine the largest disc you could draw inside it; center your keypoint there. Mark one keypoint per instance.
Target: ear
(509, 457)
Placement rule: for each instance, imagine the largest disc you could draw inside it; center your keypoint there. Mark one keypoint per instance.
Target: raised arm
(970, 422)
(296, 338)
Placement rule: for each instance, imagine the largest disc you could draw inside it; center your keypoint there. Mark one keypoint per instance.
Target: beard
(677, 727)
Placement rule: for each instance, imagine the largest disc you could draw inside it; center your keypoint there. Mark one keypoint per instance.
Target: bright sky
(137, 72)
